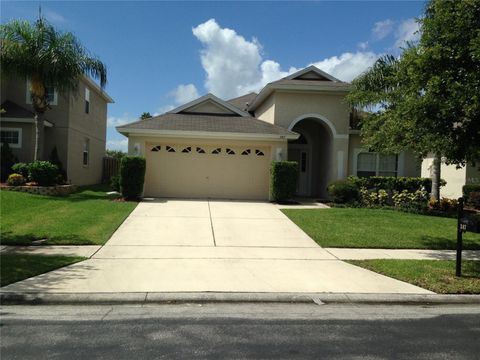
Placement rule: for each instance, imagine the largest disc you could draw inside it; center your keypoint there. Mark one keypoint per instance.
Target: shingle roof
(13, 110)
(309, 82)
(207, 123)
(242, 102)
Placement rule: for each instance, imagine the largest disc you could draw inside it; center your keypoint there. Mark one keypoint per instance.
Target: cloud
(363, 45)
(121, 144)
(113, 121)
(382, 29)
(407, 31)
(231, 62)
(235, 66)
(54, 16)
(347, 66)
(184, 93)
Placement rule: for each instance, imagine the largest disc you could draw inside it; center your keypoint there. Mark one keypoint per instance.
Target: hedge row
(391, 183)
(284, 179)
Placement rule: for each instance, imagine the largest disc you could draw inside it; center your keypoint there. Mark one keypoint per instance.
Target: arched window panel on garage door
(246, 152)
(169, 149)
(216, 151)
(156, 148)
(200, 150)
(230, 151)
(259, 153)
(187, 150)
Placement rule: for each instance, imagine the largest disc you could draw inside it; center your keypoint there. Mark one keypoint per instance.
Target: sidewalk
(338, 253)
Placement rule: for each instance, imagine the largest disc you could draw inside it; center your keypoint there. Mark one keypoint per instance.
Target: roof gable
(311, 73)
(209, 104)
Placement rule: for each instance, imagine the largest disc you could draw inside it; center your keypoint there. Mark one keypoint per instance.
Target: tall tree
(46, 57)
(145, 115)
(428, 99)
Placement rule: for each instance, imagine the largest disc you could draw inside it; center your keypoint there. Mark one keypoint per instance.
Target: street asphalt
(240, 331)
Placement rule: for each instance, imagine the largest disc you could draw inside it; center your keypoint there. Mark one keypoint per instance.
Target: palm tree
(387, 88)
(46, 57)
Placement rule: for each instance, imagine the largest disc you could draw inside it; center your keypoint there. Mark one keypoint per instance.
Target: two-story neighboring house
(76, 125)
(223, 149)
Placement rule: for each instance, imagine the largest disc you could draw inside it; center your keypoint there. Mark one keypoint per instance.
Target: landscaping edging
(57, 190)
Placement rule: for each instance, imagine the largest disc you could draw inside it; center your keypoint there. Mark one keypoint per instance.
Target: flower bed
(57, 190)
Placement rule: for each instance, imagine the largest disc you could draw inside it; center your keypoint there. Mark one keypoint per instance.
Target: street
(223, 331)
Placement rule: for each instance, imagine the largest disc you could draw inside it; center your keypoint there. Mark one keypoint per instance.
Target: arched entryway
(313, 152)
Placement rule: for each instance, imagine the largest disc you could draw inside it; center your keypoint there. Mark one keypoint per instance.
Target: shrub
(407, 200)
(132, 176)
(343, 191)
(15, 179)
(21, 168)
(115, 183)
(284, 179)
(471, 194)
(44, 173)
(6, 162)
(392, 183)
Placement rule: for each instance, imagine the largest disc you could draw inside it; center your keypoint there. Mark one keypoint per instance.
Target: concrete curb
(12, 298)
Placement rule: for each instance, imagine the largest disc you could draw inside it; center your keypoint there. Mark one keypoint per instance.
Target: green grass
(18, 267)
(375, 228)
(435, 275)
(87, 217)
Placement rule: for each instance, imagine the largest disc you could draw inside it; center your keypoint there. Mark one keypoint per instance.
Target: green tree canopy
(145, 115)
(428, 99)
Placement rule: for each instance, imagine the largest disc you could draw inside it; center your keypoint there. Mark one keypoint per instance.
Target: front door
(301, 155)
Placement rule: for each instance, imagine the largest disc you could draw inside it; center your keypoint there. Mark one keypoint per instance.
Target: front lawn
(18, 267)
(377, 228)
(87, 217)
(435, 275)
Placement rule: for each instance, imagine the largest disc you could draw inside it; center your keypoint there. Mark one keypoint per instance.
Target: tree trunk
(39, 135)
(436, 166)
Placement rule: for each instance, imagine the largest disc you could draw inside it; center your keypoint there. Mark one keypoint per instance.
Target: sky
(160, 55)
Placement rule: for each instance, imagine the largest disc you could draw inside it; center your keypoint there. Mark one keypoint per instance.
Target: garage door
(201, 171)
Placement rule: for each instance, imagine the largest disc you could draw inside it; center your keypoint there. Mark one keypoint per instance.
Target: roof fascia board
(315, 70)
(207, 134)
(213, 98)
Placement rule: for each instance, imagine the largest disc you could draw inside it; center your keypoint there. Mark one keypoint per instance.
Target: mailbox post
(461, 227)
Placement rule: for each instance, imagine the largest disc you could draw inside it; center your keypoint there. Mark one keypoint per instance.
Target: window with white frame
(11, 136)
(374, 164)
(50, 92)
(87, 100)
(86, 152)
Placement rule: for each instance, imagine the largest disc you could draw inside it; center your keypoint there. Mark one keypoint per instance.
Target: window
(187, 150)
(259, 153)
(11, 136)
(200, 150)
(373, 164)
(169, 149)
(216, 151)
(50, 91)
(86, 151)
(87, 100)
(246, 152)
(156, 148)
(230, 152)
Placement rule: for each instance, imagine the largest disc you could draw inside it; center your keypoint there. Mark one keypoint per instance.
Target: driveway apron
(169, 245)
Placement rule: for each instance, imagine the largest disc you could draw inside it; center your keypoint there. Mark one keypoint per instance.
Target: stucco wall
(454, 177)
(25, 152)
(266, 111)
(291, 105)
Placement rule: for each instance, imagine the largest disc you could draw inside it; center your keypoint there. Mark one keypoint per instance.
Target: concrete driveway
(200, 245)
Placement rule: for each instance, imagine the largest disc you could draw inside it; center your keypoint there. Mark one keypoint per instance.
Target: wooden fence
(111, 167)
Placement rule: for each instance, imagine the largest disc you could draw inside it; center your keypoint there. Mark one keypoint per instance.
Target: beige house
(76, 124)
(211, 148)
(454, 177)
